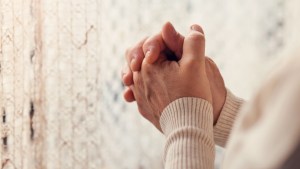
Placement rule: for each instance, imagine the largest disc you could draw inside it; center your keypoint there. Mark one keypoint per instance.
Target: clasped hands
(154, 80)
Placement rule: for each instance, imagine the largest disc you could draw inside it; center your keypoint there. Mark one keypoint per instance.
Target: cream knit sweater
(265, 133)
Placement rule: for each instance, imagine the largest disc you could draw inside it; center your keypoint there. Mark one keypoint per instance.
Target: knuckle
(137, 52)
(193, 64)
(147, 68)
(148, 46)
(151, 43)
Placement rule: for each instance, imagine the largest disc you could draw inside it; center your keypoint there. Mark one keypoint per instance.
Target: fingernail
(195, 28)
(134, 56)
(133, 64)
(148, 53)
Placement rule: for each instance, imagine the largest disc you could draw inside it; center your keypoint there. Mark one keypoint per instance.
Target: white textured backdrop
(60, 89)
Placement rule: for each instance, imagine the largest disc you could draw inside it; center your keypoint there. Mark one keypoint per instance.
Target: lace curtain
(60, 88)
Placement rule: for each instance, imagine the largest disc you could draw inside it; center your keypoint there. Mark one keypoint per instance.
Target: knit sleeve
(227, 117)
(188, 125)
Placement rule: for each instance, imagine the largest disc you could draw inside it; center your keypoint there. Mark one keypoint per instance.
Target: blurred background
(60, 81)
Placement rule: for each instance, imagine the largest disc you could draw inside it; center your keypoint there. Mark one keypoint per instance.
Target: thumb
(194, 47)
(172, 39)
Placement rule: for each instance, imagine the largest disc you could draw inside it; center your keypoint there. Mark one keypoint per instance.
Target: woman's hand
(171, 40)
(161, 82)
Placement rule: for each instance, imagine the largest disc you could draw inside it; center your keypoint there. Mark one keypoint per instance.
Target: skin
(148, 58)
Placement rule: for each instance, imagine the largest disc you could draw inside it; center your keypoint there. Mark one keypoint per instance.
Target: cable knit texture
(188, 125)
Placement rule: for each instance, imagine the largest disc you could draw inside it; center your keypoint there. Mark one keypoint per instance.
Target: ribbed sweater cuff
(188, 125)
(187, 112)
(226, 120)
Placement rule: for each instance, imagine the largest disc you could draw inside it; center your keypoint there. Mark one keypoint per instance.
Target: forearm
(230, 110)
(188, 125)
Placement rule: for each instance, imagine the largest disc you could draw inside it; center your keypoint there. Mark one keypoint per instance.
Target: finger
(128, 79)
(135, 56)
(194, 47)
(173, 39)
(153, 47)
(208, 69)
(128, 95)
(127, 76)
